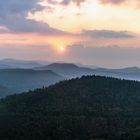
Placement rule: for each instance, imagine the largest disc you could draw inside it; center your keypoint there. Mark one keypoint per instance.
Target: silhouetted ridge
(87, 108)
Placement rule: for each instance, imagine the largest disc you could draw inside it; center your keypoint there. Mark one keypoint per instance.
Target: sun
(62, 49)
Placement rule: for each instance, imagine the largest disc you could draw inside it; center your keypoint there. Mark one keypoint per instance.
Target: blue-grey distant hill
(9, 63)
(68, 70)
(5, 91)
(20, 80)
(130, 73)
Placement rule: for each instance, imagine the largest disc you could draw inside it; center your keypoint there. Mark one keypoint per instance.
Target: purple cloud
(13, 15)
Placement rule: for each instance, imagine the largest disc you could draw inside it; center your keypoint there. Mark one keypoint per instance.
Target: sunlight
(62, 49)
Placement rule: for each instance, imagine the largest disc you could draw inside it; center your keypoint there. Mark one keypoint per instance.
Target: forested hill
(87, 108)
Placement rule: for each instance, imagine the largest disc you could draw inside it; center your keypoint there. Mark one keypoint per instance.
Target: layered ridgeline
(87, 108)
(71, 70)
(20, 76)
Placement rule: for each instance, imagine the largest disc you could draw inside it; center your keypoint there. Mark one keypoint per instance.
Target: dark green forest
(86, 108)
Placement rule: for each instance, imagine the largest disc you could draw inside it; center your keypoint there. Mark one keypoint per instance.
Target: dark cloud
(13, 15)
(23, 25)
(112, 1)
(107, 34)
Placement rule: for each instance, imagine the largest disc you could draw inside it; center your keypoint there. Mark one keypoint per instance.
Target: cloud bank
(107, 34)
(112, 1)
(13, 15)
(78, 2)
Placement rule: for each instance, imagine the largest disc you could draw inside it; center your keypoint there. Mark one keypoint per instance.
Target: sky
(94, 32)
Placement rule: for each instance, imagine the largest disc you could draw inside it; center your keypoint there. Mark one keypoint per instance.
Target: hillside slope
(5, 91)
(89, 108)
(25, 79)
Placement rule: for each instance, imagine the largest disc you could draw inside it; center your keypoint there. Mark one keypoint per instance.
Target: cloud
(13, 16)
(107, 34)
(112, 1)
(78, 2)
(65, 2)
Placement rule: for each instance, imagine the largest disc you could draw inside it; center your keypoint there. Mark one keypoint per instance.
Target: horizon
(45, 63)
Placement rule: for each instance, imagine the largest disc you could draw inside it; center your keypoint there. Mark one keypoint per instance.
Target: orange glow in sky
(90, 15)
(55, 27)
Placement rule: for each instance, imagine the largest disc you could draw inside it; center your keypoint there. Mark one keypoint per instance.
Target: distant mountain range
(19, 75)
(13, 63)
(70, 70)
(130, 73)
